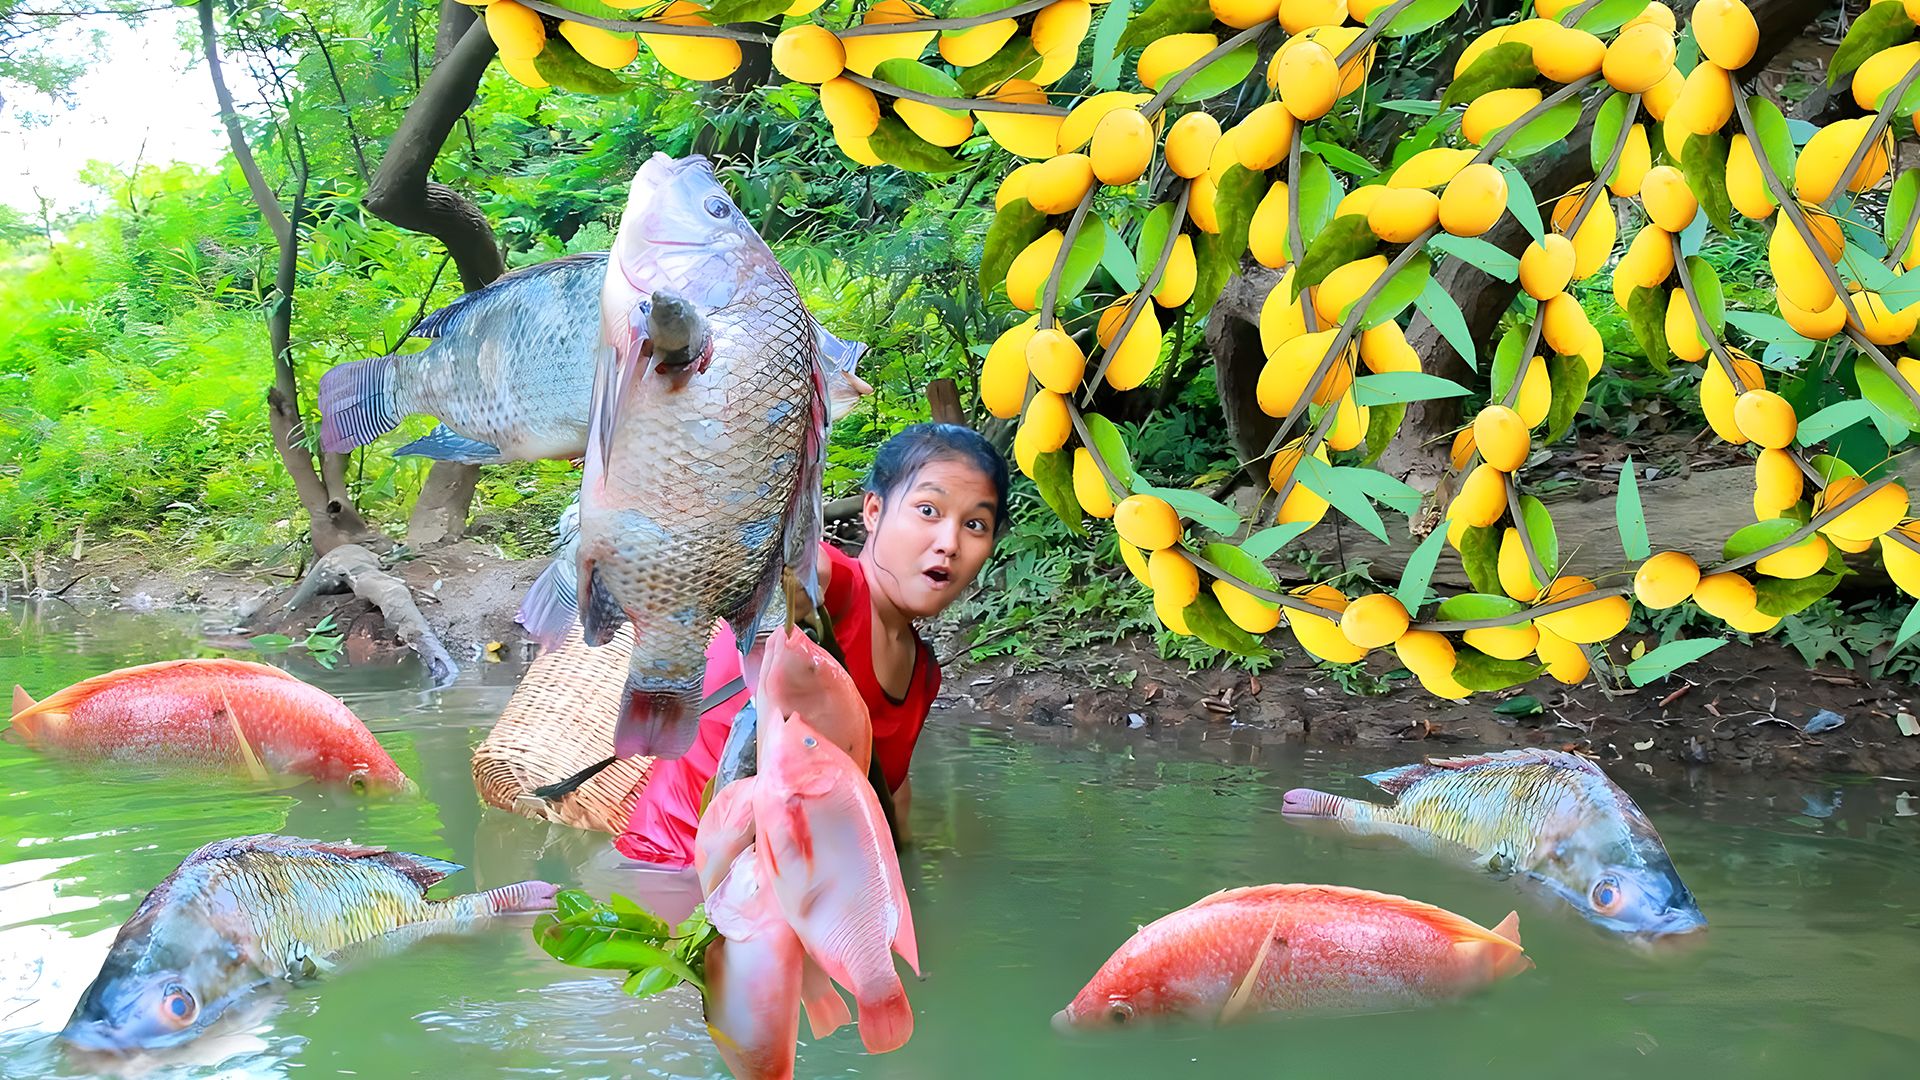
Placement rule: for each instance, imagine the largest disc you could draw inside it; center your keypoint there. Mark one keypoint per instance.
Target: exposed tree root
(352, 568)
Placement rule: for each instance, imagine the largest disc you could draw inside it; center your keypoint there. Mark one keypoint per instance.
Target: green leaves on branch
(1880, 26)
(1343, 240)
(895, 143)
(565, 69)
(1220, 76)
(1217, 255)
(1503, 67)
(622, 936)
(1421, 15)
(1015, 225)
(1164, 17)
(1479, 672)
(1111, 448)
(1703, 161)
(1053, 475)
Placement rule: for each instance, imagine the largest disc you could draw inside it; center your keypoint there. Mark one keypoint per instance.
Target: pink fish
(798, 677)
(829, 856)
(1295, 947)
(753, 976)
(209, 712)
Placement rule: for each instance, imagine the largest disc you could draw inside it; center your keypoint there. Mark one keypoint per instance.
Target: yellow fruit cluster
(522, 34)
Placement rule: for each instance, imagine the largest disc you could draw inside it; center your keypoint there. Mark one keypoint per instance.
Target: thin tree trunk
(340, 91)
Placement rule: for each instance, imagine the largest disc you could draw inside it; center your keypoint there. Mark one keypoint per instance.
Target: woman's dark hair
(902, 457)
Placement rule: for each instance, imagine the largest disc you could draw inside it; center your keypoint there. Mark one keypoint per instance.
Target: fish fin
(521, 896)
(886, 1023)
(22, 701)
(552, 603)
(357, 404)
(726, 905)
(826, 1010)
(1396, 780)
(905, 941)
(1501, 957)
(657, 721)
(841, 358)
(65, 699)
(423, 870)
(1509, 927)
(1306, 802)
(252, 761)
(1459, 927)
(1243, 994)
(600, 614)
(445, 444)
(439, 322)
(805, 523)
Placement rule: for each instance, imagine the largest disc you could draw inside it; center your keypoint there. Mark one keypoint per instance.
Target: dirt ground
(1740, 709)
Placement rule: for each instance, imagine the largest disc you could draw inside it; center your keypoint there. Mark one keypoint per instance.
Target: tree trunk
(334, 519)
(404, 193)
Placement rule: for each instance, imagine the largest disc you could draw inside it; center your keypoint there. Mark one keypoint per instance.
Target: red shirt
(667, 814)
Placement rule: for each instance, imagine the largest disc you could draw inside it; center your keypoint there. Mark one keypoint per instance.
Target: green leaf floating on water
(622, 936)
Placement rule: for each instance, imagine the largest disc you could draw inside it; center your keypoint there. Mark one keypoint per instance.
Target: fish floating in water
(216, 713)
(509, 372)
(1292, 948)
(240, 914)
(1552, 816)
(706, 444)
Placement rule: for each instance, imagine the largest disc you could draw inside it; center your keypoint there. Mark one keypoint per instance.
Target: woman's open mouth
(937, 577)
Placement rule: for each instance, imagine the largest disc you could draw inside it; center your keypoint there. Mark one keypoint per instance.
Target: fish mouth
(1063, 1021)
(101, 1037)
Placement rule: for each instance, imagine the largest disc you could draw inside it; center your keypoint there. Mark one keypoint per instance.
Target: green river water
(1039, 851)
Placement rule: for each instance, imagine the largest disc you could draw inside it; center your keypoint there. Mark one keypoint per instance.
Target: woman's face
(929, 538)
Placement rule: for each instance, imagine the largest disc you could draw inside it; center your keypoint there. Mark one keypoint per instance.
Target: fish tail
(356, 404)
(1509, 927)
(519, 897)
(886, 1023)
(551, 603)
(826, 1009)
(658, 718)
(1306, 802)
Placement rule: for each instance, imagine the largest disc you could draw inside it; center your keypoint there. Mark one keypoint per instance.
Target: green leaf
(270, 642)
(1193, 506)
(1523, 705)
(1520, 201)
(1241, 564)
(1412, 592)
(736, 11)
(1703, 161)
(1661, 662)
(1760, 534)
(1111, 447)
(1342, 489)
(1909, 626)
(565, 69)
(1568, 377)
(1390, 492)
(1900, 203)
(1507, 358)
(650, 981)
(1107, 59)
(1773, 330)
(1163, 17)
(1629, 517)
(1485, 257)
(1153, 235)
(1506, 65)
(1776, 139)
(1217, 255)
(1416, 106)
(1829, 468)
(1088, 246)
(1781, 597)
(1443, 311)
(1468, 606)
(1053, 475)
(1319, 192)
(1480, 557)
(1263, 544)
(1477, 671)
(1879, 27)
(1609, 15)
(1539, 526)
(1647, 318)
(1401, 290)
(896, 144)
(1880, 388)
(1383, 423)
(1713, 299)
(1220, 76)
(1343, 240)
(1118, 260)
(1607, 123)
(1015, 225)
(1210, 624)
(1016, 57)
(1421, 15)
(1371, 390)
(1544, 132)
(916, 76)
(1836, 417)
(1340, 156)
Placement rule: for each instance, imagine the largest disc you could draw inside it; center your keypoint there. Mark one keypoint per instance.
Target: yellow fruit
(601, 48)
(1765, 418)
(1055, 360)
(1190, 144)
(1726, 32)
(1147, 522)
(1432, 168)
(1122, 147)
(1020, 133)
(1346, 285)
(1027, 274)
(1639, 58)
(1704, 106)
(1903, 563)
(1881, 326)
(516, 30)
(1659, 100)
(941, 127)
(1057, 32)
(1564, 323)
(1359, 201)
(1669, 202)
(1248, 612)
(1267, 233)
(1320, 635)
(1476, 48)
(1802, 560)
(1026, 450)
(1718, 394)
(1285, 376)
(1515, 573)
(1177, 280)
(705, 59)
(1170, 616)
(1504, 642)
(1014, 185)
(1777, 484)
(1501, 438)
(1373, 621)
(1308, 79)
(1482, 498)
(1136, 357)
(1300, 15)
(1882, 72)
(1059, 184)
(1657, 14)
(1569, 55)
(1867, 519)
(858, 148)
(1546, 267)
(1828, 152)
(1171, 54)
(1594, 621)
(1136, 562)
(1226, 155)
(523, 72)
(1048, 419)
(1797, 271)
(1077, 130)
(1282, 317)
(1635, 159)
(1004, 373)
(1089, 486)
(1754, 622)
(1666, 579)
(1473, 200)
(1200, 205)
(1401, 215)
(1242, 14)
(1384, 349)
(809, 53)
(848, 106)
(1683, 330)
(1431, 659)
(1349, 424)
(1174, 576)
(1593, 244)
(1566, 662)
(1536, 394)
(1263, 138)
(1649, 259)
(1463, 449)
(868, 51)
(1494, 110)
(1301, 503)
(1725, 596)
(1746, 187)
(976, 44)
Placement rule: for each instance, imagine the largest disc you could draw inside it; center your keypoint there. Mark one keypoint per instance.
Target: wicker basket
(558, 722)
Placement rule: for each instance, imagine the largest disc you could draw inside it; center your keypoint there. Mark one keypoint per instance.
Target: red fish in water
(210, 712)
(826, 849)
(1295, 948)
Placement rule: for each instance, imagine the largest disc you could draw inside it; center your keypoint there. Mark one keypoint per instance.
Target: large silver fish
(1552, 816)
(509, 373)
(705, 447)
(239, 914)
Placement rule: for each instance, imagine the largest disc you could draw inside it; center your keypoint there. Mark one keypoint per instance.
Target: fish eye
(1607, 896)
(357, 783)
(1120, 1012)
(718, 207)
(809, 742)
(177, 1006)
